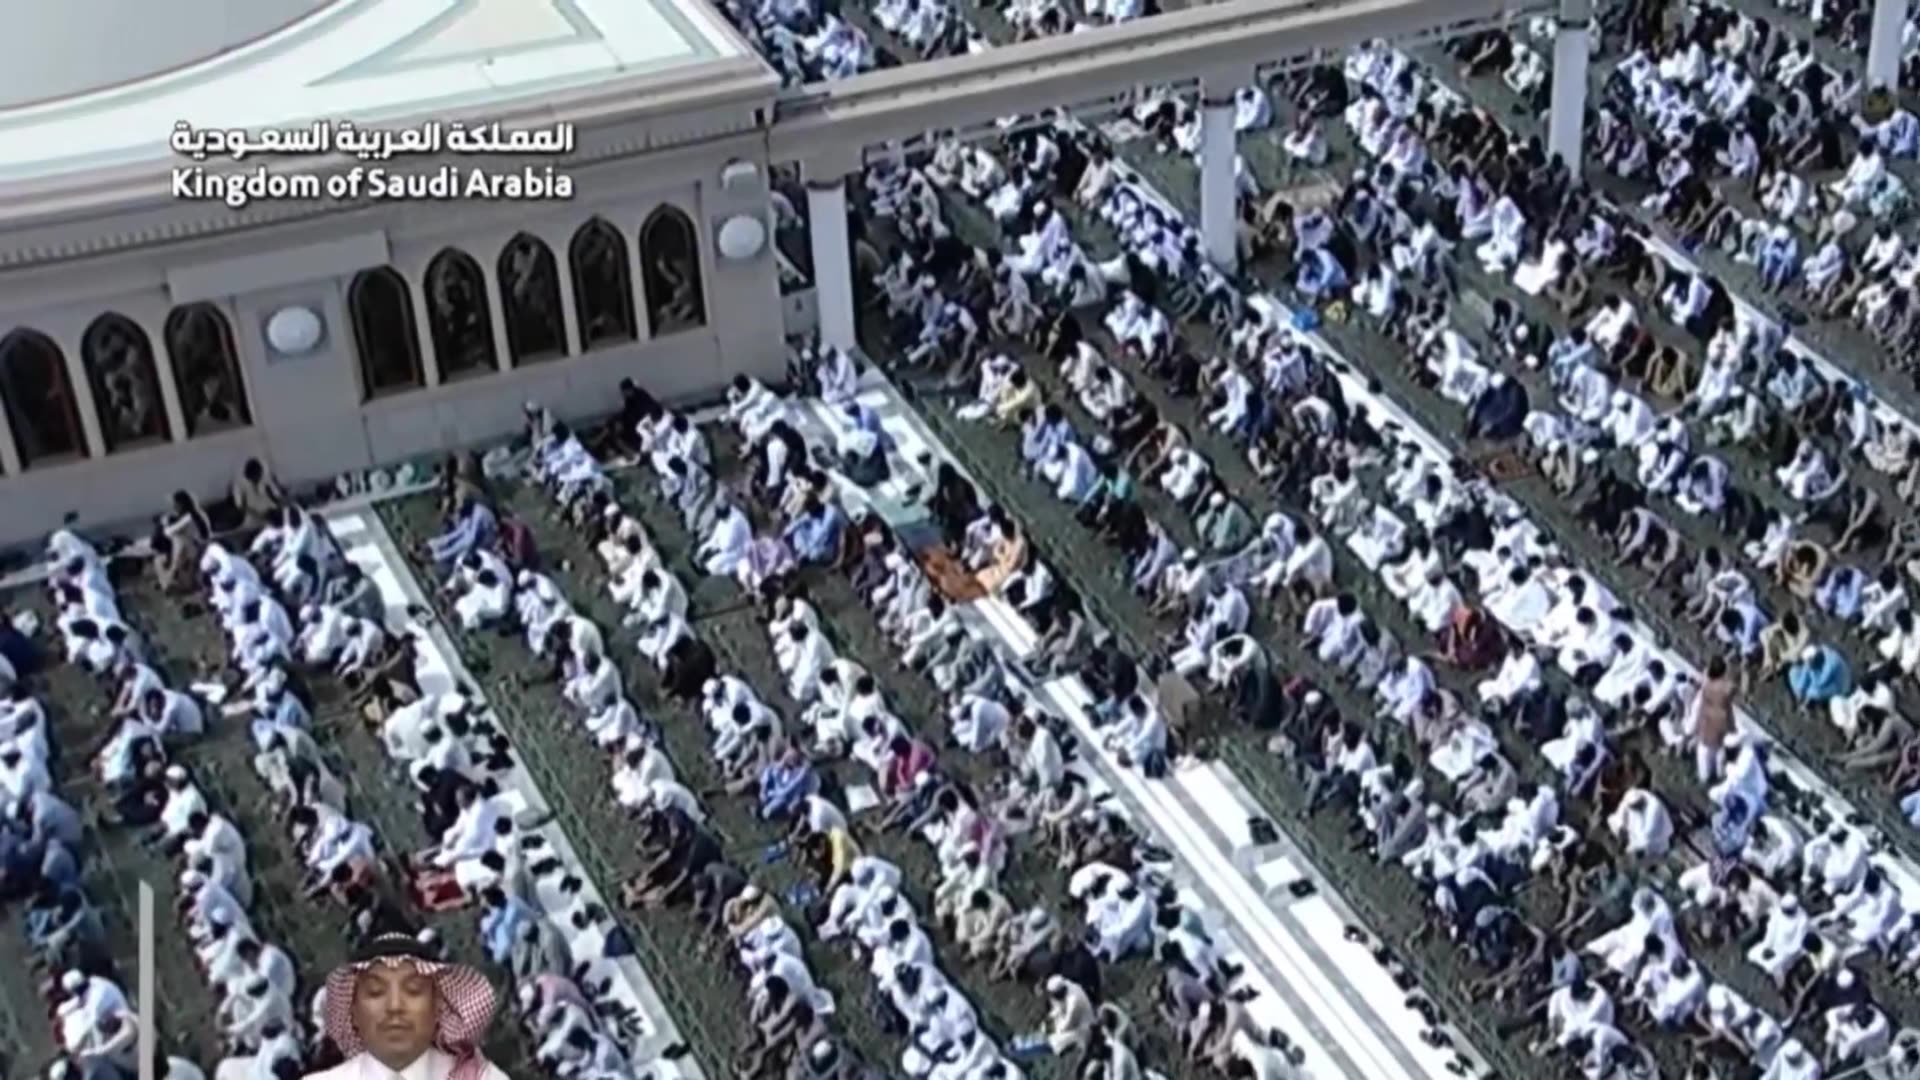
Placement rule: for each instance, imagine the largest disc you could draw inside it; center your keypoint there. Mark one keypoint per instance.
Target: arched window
(602, 285)
(457, 315)
(39, 397)
(118, 357)
(530, 299)
(206, 370)
(670, 257)
(383, 331)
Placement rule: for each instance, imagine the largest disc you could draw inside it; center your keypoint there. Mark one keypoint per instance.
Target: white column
(423, 330)
(163, 373)
(1883, 51)
(1567, 111)
(1219, 193)
(832, 261)
(9, 453)
(496, 311)
(569, 302)
(83, 402)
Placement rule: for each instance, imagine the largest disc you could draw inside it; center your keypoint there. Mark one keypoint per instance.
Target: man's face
(396, 1009)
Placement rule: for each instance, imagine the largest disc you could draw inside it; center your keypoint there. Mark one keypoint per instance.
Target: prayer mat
(433, 889)
(1503, 465)
(955, 582)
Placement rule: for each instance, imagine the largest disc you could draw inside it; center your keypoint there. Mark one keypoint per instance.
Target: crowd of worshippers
(278, 557)
(1719, 111)
(853, 900)
(1803, 898)
(48, 842)
(810, 41)
(44, 844)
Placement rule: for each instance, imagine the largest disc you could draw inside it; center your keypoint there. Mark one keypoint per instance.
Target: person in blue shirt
(1820, 675)
(1732, 827)
(25, 869)
(44, 818)
(64, 928)
(1321, 275)
(474, 527)
(280, 710)
(1838, 593)
(1739, 628)
(785, 784)
(505, 921)
(815, 534)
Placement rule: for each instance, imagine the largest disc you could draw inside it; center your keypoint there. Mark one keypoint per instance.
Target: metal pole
(149, 1038)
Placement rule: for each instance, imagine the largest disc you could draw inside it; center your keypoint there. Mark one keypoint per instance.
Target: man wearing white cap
(1642, 824)
(482, 586)
(322, 633)
(848, 906)
(592, 683)
(1792, 1062)
(364, 643)
(659, 610)
(246, 1016)
(1069, 1015)
(87, 1009)
(1186, 474)
(541, 609)
(1783, 941)
(183, 802)
(205, 903)
(725, 547)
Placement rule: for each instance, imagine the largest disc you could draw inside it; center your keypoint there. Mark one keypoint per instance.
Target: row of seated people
(790, 1012)
(46, 844)
(455, 771)
(1644, 477)
(1796, 399)
(1068, 467)
(844, 715)
(1581, 637)
(1730, 123)
(1611, 344)
(1815, 675)
(1752, 401)
(253, 981)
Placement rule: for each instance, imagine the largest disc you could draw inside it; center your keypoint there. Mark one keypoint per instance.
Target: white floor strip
(1245, 904)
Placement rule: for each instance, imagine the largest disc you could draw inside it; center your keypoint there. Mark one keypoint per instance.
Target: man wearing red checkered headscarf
(399, 1014)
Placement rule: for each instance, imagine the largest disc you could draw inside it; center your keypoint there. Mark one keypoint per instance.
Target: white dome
(294, 331)
(54, 51)
(742, 237)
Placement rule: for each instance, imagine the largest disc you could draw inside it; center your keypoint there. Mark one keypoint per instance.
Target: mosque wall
(379, 335)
